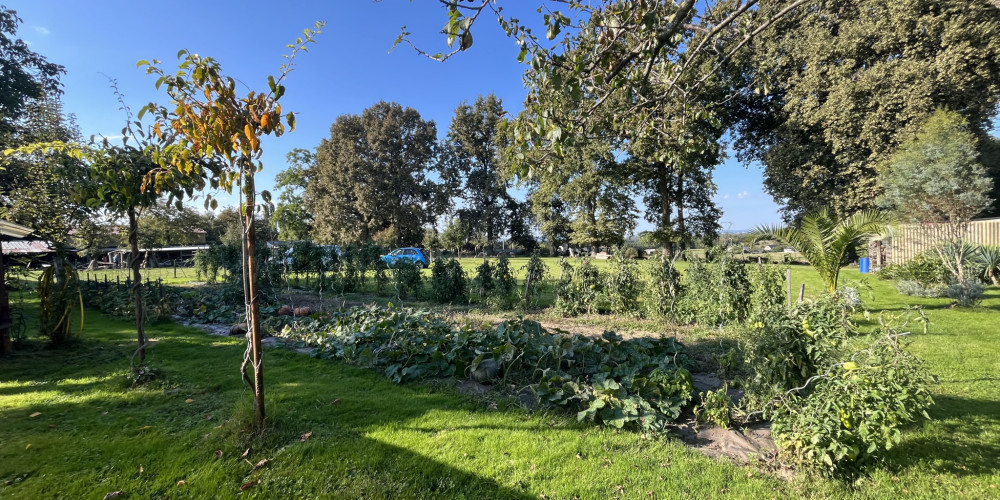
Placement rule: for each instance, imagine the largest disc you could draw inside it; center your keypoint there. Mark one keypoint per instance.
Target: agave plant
(989, 257)
(823, 239)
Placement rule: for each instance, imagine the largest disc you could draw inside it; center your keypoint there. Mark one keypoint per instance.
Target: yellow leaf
(28, 446)
(147, 427)
(249, 132)
(189, 401)
(33, 415)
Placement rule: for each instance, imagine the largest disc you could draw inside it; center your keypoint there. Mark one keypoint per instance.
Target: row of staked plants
(837, 398)
(710, 293)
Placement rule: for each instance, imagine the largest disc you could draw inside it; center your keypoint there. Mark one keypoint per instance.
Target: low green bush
(926, 269)
(850, 413)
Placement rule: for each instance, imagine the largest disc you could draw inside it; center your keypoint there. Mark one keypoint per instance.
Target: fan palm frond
(823, 239)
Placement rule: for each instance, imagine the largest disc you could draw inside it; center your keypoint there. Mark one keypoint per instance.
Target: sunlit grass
(91, 434)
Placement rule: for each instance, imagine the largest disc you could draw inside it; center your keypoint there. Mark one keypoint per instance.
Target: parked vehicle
(408, 254)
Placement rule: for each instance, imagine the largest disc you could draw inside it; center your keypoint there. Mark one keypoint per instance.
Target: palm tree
(824, 240)
(989, 257)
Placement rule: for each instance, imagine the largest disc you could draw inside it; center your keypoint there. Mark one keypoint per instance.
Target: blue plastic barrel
(864, 264)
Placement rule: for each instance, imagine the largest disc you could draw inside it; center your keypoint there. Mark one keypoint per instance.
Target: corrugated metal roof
(8, 228)
(21, 247)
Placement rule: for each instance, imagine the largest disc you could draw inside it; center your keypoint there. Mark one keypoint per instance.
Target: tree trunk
(682, 231)
(140, 312)
(665, 210)
(252, 299)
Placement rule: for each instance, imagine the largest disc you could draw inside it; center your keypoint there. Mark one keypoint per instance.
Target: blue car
(408, 254)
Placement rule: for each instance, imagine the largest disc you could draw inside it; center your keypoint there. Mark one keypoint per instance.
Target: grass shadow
(960, 440)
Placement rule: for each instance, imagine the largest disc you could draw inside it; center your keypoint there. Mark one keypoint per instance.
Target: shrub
(484, 278)
(623, 285)
(918, 289)
(787, 350)
(967, 294)
(851, 412)
(767, 293)
(407, 279)
(504, 295)
(534, 271)
(448, 281)
(578, 289)
(715, 293)
(664, 287)
(925, 269)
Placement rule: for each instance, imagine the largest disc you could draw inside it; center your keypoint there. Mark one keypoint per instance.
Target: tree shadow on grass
(957, 441)
(342, 408)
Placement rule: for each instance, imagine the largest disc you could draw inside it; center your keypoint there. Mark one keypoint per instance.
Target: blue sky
(348, 69)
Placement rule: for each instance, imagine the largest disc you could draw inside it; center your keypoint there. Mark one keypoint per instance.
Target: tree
(24, 76)
(39, 193)
(290, 218)
(587, 183)
(849, 82)
(370, 178)
(936, 179)
(605, 53)
(824, 239)
(551, 215)
(208, 119)
(472, 150)
(455, 235)
(114, 182)
(936, 176)
(163, 223)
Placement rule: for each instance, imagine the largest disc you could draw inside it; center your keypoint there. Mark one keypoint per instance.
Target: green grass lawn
(92, 435)
(169, 275)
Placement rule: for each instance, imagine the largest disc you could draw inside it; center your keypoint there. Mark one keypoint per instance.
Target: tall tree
(551, 215)
(206, 118)
(588, 185)
(936, 179)
(25, 75)
(472, 150)
(936, 176)
(40, 193)
(849, 81)
(290, 218)
(455, 235)
(597, 56)
(370, 179)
